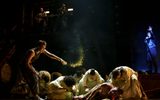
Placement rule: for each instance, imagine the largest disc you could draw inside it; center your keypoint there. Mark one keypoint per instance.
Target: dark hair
(115, 73)
(42, 42)
(45, 75)
(116, 92)
(118, 72)
(55, 75)
(69, 81)
(45, 78)
(92, 72)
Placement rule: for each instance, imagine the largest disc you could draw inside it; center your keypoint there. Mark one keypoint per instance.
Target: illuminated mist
(79, 61)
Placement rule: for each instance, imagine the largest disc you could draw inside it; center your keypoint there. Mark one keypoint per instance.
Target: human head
(117, 73)
(42, 45)
(92, 74)
(149, 28)
(55, 75)
(63, 4)
(45, 75)
(69, 81)
(41, 9)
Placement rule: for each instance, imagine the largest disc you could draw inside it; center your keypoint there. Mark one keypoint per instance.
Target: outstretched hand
(63, 62)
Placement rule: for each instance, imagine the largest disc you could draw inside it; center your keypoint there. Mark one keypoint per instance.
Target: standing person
(152, 56)
(30, 73)
(63, 10)
(41, 20)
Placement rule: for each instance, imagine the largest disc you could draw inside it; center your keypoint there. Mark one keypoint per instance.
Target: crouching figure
(61, 88)
(126, 79)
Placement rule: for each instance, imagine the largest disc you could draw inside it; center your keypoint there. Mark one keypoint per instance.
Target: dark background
(110, 33)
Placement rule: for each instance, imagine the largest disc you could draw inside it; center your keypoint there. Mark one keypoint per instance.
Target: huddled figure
(121, 84)
(61, 88)
(45, 78)
(126, 79)
(90, 79)
(55, 75)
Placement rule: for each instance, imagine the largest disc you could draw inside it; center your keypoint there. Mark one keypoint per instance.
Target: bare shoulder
(31, 52)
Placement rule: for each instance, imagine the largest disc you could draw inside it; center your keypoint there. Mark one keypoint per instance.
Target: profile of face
(42, 45)
(42, 48)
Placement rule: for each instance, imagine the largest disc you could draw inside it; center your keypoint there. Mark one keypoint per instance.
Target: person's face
(42, 48)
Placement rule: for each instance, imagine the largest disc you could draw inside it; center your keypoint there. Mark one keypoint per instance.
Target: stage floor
(151, 85)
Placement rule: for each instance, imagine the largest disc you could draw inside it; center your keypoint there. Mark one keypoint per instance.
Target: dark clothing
(31, 79)
(41, 22)
(29, 75)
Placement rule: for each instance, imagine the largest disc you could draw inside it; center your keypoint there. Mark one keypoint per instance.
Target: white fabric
(86, 81)
(128, 82)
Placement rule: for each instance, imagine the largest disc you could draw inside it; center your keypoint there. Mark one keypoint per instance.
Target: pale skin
(41, 50)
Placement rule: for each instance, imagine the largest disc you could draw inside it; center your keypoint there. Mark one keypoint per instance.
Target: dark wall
(108, 31)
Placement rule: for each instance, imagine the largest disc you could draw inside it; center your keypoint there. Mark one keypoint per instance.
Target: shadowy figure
(152, 55)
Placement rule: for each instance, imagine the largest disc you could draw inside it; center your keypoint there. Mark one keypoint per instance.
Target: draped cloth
(128, 82)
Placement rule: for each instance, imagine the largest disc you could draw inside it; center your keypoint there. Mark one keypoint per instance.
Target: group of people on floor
(122, 82)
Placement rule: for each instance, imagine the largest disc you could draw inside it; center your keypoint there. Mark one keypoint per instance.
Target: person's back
(61, 88)
(126, 79)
